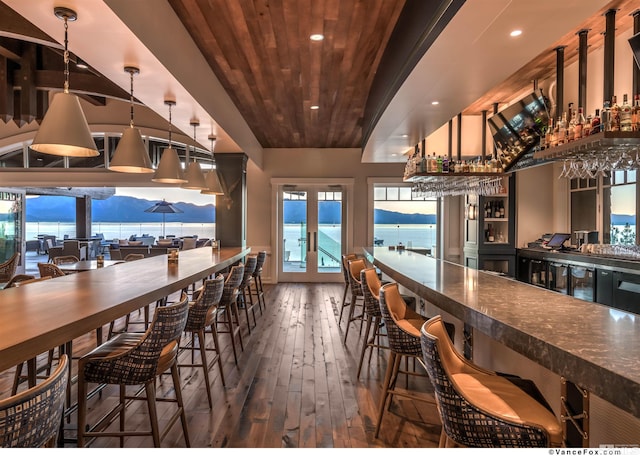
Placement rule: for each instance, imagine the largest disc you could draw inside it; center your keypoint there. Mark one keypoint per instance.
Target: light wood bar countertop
(590, 344)
(46, 314)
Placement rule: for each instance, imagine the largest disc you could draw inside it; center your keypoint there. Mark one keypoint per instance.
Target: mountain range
(127, 209)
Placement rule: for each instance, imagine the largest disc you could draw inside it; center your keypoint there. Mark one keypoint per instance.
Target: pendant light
(64, 130)
(169, 169)
(212, 180)
(194, 176)
(131, 155)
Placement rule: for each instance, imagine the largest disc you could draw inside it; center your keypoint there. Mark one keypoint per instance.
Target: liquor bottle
(578, 130)
(562, 129)
(605, 117)
(552, 140)
(615, 114)
(595, 123)
(439, 164)
(586, 128)
(501, 209)
(496, 209)
(625, 114)
(635, 113)
(571, 124)
(445, 164)
(490, 235)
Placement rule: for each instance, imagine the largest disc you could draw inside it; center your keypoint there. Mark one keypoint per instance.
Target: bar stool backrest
(370, 284)
(50, 270)
(355, 266)
(31, 419)
(261, 257)
(138, 365)
(249, 268)
(393, 309)
(207, 299)
(8, 268)
(234, 279)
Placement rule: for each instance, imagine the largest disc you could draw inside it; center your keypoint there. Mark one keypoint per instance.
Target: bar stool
(345, 273)
(353, 269)
(370, 284)
(257, 280)
(228, 308)
(202, 314)
(478, 407)
(403, 332)
(245, 296)
(135, 359)
(32, 418)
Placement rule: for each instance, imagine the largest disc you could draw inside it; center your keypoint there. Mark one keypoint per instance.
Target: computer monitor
(557, 240)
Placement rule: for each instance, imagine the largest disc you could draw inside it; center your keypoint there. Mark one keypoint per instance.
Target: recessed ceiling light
(404, 136)
(316, 37)
(394, 154)
(516, 33)
(315, 107)
(435, 102)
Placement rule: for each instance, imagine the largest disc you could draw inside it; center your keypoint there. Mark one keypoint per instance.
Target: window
(399, 217)
(619, 208)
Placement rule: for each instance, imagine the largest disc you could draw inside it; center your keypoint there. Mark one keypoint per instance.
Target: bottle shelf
(497, 219)
(599, 142)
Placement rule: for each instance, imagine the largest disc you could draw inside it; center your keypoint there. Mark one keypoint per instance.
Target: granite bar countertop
(592, 345)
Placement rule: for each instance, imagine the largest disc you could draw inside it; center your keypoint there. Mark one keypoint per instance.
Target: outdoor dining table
(51, 313)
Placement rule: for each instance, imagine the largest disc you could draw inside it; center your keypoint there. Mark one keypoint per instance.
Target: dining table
(86, 265)
(48, 314)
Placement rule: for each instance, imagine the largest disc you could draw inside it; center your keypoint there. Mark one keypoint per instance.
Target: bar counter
(592, 345)
(47, 314)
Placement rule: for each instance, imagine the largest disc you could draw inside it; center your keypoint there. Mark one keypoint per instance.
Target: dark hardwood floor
(295, 386)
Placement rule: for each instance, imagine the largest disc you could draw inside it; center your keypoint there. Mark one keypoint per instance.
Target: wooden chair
(202, 314)
(353, 269)
(135, 359)
(32, 418)
(478, 407)
(17, 279)
(50, 270)
(8, 268)
(228, 308)
(403, 333)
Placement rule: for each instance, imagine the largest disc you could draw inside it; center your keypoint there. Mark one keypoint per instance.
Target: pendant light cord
(66, 56)
(131, 99)
(170, 126)
(194, 142)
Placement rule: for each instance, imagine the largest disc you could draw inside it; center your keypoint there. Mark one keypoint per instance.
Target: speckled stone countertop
(592, 345)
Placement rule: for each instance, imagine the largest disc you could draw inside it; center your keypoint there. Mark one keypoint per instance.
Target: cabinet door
(539, 274)
(604, 287)
(582, 283)
(558, 278)
(626, 292)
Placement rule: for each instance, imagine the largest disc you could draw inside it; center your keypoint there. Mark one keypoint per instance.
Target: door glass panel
(329, 231)
(294, 239)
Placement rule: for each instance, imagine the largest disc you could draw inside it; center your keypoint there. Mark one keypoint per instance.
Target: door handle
(315, 241)
(308, 237)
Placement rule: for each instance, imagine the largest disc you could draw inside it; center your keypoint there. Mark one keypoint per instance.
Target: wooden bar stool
(370, 290)
(353, 269)
(228, 309)
(32, 418)
(245, 296)
(202, 314)
(345, 273)
(258, 290)
(135, 359)
(478, 407)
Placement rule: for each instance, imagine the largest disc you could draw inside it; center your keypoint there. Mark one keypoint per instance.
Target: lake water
(122, 230)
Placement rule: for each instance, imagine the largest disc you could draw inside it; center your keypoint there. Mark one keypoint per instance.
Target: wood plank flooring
(295, 386)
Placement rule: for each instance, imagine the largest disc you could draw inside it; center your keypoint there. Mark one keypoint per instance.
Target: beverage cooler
(582, 283)
(538, 273)
(559, 278)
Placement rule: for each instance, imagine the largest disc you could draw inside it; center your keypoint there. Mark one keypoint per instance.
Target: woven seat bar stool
(370, 284)
(258, 290)
(345, 273)
(478, 407)
(202, 314)
(227, 315)
(245, 296)
(135, 359)
(32, 419)
(403, 333)
(8, 268)
(353, 268)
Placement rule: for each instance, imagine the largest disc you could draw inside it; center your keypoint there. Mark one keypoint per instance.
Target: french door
(311, 233)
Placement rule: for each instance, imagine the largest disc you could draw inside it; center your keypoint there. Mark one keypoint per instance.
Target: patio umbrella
(163, 208)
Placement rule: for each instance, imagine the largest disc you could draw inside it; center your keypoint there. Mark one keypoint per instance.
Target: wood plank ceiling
(261, 52)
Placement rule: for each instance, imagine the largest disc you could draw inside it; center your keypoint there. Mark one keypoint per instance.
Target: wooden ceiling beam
(80, 83)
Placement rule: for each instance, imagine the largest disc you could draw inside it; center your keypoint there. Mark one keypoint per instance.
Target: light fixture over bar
(212, 180)
(131, 155)
(64, 130)
(194, 176)
(169, 169)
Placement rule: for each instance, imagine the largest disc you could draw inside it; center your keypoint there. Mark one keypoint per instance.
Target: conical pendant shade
(213, 184)
(169, 169)
(195, 178)
(131, 155)
(64, 129)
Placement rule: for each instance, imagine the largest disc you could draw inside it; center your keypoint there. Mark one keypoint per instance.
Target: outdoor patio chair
(8, 268)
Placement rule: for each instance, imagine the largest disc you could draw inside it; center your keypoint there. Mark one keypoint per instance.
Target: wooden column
(231, 208)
